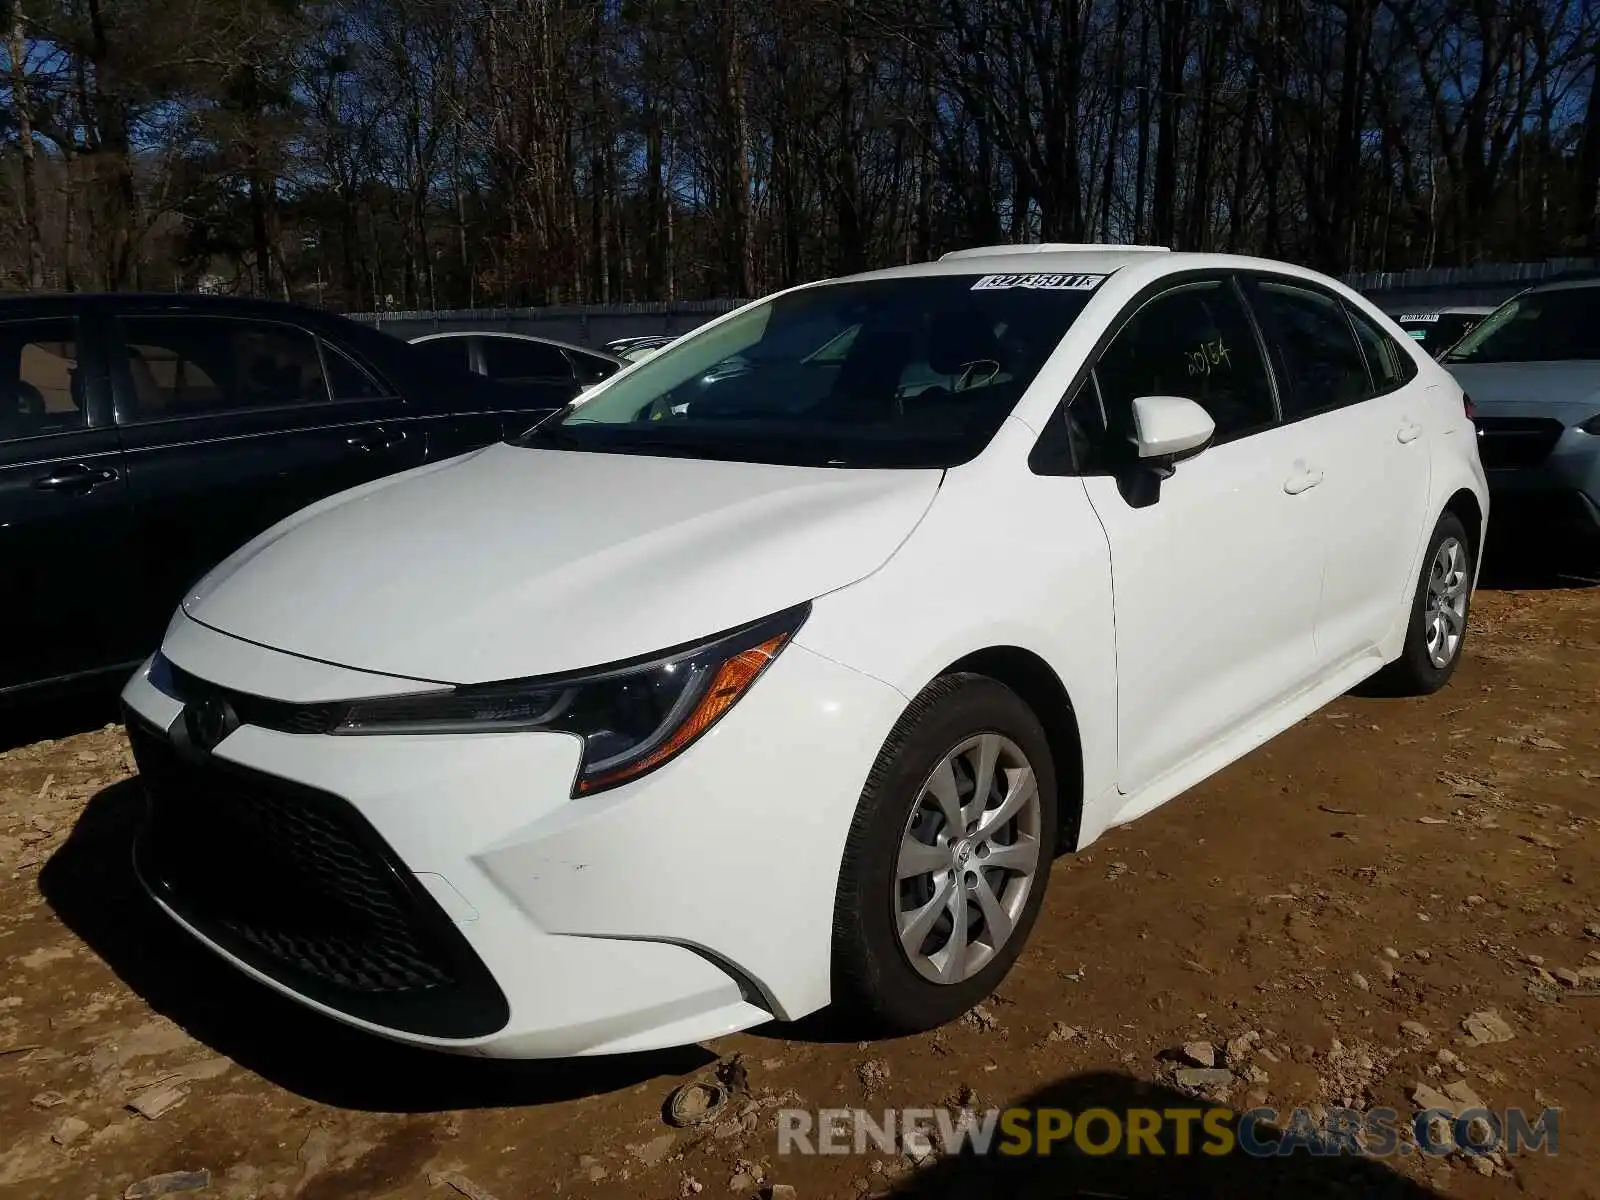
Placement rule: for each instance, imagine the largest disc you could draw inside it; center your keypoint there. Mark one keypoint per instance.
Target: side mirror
(1169, 429)
(1166, 430)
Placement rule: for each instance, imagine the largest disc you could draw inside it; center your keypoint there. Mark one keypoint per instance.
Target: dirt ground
(1385, 863)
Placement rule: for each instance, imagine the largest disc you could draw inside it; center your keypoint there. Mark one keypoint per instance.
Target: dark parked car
(515, 363)
(145, 438)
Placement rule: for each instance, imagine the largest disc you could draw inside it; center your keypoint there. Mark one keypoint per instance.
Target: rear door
(64, 548)
(230, 424)
(1357, 397)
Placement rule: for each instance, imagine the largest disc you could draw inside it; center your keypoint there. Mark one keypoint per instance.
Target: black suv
(145, 438)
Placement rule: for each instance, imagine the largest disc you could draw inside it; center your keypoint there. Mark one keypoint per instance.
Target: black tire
(1414, 672)
(875, 986)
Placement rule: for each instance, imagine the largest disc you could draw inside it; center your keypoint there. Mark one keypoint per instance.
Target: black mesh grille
(1516, 441)
(296, 883)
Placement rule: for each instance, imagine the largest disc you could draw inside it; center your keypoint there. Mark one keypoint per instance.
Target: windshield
(913, 372)
(1437, 332)
(1549, 326)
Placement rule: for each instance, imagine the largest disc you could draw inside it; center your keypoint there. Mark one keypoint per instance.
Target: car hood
(511, 561)
(1567, 391)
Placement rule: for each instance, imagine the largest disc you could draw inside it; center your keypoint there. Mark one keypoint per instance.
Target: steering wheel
(965, 379)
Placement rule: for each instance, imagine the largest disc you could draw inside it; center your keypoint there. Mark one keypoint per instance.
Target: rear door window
(1391, 367)
(1316, 345)
(186, 366)
(347, 379)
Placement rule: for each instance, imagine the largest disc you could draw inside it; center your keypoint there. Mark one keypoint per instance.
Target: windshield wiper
(551, 429)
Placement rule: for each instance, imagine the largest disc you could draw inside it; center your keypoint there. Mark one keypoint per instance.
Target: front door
(1215, 583)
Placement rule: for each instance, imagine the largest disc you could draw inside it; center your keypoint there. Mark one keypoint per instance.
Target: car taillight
(1470, 408)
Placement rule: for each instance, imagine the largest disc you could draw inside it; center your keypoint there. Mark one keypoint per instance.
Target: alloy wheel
(1445, 611)
(967, 858)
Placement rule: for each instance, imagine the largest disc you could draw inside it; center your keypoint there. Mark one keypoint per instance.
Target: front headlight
(1592, 425)
(632, 717)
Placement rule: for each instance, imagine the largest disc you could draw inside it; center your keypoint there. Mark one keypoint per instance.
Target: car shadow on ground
(1232, 1176)
(1519, 558)
(90, 884)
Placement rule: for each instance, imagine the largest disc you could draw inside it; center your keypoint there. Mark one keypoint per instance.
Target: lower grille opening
(295, 882)
(1516, 441)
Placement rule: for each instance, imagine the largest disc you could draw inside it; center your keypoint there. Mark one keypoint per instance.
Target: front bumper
(1558, 492)
(691, 903)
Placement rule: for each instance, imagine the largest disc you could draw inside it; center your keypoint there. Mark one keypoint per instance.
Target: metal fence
(1445, 287)
(597, 324)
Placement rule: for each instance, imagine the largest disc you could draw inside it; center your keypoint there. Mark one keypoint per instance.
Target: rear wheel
(1437, 630)
(948, 857)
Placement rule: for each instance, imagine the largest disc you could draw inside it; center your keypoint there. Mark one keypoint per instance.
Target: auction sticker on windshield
(1039, 281)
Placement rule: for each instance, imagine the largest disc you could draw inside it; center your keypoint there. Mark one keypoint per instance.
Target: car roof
(1092, 259)
(509, 336)
(1566, 285)
(68, 303)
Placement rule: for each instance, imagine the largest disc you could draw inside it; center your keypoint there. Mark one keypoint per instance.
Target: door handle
(1410, 431)
(74, 477)
(1302, 482)
(375, 441)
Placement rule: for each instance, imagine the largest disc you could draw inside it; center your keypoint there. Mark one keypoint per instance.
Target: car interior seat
(866, 388)
(22, 413)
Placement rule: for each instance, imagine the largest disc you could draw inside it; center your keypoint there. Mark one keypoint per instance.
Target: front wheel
(1437, 629)
(947, 859)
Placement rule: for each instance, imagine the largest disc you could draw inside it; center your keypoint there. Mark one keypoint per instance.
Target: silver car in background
(1532, 370)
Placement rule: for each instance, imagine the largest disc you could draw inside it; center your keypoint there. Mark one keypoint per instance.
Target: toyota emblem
(209, 721)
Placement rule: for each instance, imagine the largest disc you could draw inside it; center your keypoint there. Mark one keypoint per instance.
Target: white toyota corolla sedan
(775, 672)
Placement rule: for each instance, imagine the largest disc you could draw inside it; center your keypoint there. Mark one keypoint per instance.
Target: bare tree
(447, 152)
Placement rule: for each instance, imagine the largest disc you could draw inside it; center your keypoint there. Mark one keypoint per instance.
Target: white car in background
(719, 698)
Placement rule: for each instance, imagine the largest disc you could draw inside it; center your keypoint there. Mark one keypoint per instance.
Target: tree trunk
(927, 122)
(1241, 165)
(1171, 23)
(1142, 168)
(847, 197)
(744, 275)
(22, 106)
(119, 199)
(1588, 220)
